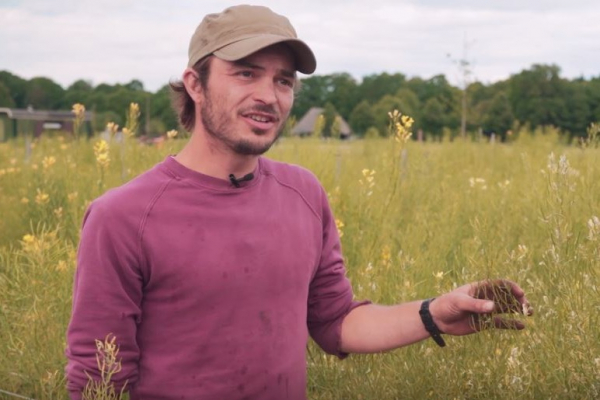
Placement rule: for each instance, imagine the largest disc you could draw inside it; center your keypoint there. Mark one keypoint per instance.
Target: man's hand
(472, 307)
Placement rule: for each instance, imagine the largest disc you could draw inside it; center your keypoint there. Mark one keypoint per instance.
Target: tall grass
(415, 221)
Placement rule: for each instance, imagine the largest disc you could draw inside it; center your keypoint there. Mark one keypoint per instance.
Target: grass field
(416, 220)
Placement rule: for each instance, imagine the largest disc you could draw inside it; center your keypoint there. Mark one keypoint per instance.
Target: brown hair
(181, 101)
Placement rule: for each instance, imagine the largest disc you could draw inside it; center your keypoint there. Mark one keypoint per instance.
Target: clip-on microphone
(236, 182)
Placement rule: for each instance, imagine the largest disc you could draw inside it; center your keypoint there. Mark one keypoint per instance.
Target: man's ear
(191, 81)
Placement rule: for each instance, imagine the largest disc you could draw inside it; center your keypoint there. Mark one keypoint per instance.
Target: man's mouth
(261, 118)
(260, 121)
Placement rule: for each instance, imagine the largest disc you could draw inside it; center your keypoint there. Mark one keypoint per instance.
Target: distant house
(306, 124)
(15, 122)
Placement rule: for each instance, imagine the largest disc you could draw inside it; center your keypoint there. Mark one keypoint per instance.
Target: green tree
(118, 101)
(538, 96)
(409, 103)
(156, 127)
(372, 133)
(577, 115)
(105, 88)
(336, 127)
(374, 87)
(448, 100)
(593, 98)
(499, 117)
(44, 93)
(433, 120)
(361, 118)
(313, 93)
(160, 107)
(104, 117)
(329, 114)
(81, 85)
(437, 86)
(6, 99)
(135, 85)
(17, 87)
(380, 112)
(342, 89)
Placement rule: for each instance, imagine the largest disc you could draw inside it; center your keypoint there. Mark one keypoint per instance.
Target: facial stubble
(219, 126)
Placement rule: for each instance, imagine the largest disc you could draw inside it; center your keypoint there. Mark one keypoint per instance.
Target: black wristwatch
(430, 326)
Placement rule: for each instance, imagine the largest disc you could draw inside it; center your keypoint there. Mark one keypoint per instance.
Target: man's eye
(246, 74)
(286, 82)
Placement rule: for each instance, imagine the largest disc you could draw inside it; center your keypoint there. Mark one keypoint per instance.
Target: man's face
(246, 102)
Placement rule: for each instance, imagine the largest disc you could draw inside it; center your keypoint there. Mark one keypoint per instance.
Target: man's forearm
(374, 328)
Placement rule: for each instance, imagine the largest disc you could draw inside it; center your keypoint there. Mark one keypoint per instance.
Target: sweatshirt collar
(181, 172)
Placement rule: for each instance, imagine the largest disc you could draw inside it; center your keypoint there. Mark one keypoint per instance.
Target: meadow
(415, 219)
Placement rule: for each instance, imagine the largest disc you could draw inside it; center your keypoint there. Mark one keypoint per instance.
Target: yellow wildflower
(133, 115)
(78, 110)
(400, 125)
(58, 212)
(62, 266)
(72, 196)
(103, 159)
(386, 254)
(41, 197)
(171, 134)
(339, 225)
(134, 108)
(112, 128)
(47, 162)
(368, 174)
(593, 228)
(28, 239)
(407, 121)
(101, 151)
(25, 200)
(101, 146)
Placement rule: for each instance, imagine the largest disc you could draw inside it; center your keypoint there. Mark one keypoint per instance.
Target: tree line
(537, 96)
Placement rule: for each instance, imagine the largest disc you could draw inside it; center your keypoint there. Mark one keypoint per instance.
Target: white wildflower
(594, 228)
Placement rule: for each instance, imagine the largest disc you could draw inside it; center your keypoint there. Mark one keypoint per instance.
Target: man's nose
(265, 91)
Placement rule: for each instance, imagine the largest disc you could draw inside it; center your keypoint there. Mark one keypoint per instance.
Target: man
(212, 268)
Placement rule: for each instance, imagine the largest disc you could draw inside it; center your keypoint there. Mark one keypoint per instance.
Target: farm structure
(15, 122)
(306, 124)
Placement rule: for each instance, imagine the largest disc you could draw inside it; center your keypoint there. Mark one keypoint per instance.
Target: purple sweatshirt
(210, 290)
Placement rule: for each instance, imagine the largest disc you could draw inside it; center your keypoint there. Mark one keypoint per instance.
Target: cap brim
(305, 59)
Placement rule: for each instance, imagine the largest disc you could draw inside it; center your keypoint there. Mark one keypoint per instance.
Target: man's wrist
(430, 325)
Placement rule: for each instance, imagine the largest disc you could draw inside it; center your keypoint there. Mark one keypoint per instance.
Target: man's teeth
(259, 118)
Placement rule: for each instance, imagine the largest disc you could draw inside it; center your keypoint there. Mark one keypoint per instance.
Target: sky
(115, 41)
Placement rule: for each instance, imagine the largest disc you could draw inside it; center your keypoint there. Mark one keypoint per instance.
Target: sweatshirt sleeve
(330, 296)
(107, 297)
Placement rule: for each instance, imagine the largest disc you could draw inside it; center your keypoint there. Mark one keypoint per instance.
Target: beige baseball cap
(242, 30)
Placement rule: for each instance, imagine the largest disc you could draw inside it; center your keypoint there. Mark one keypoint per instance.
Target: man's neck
(202, 155)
